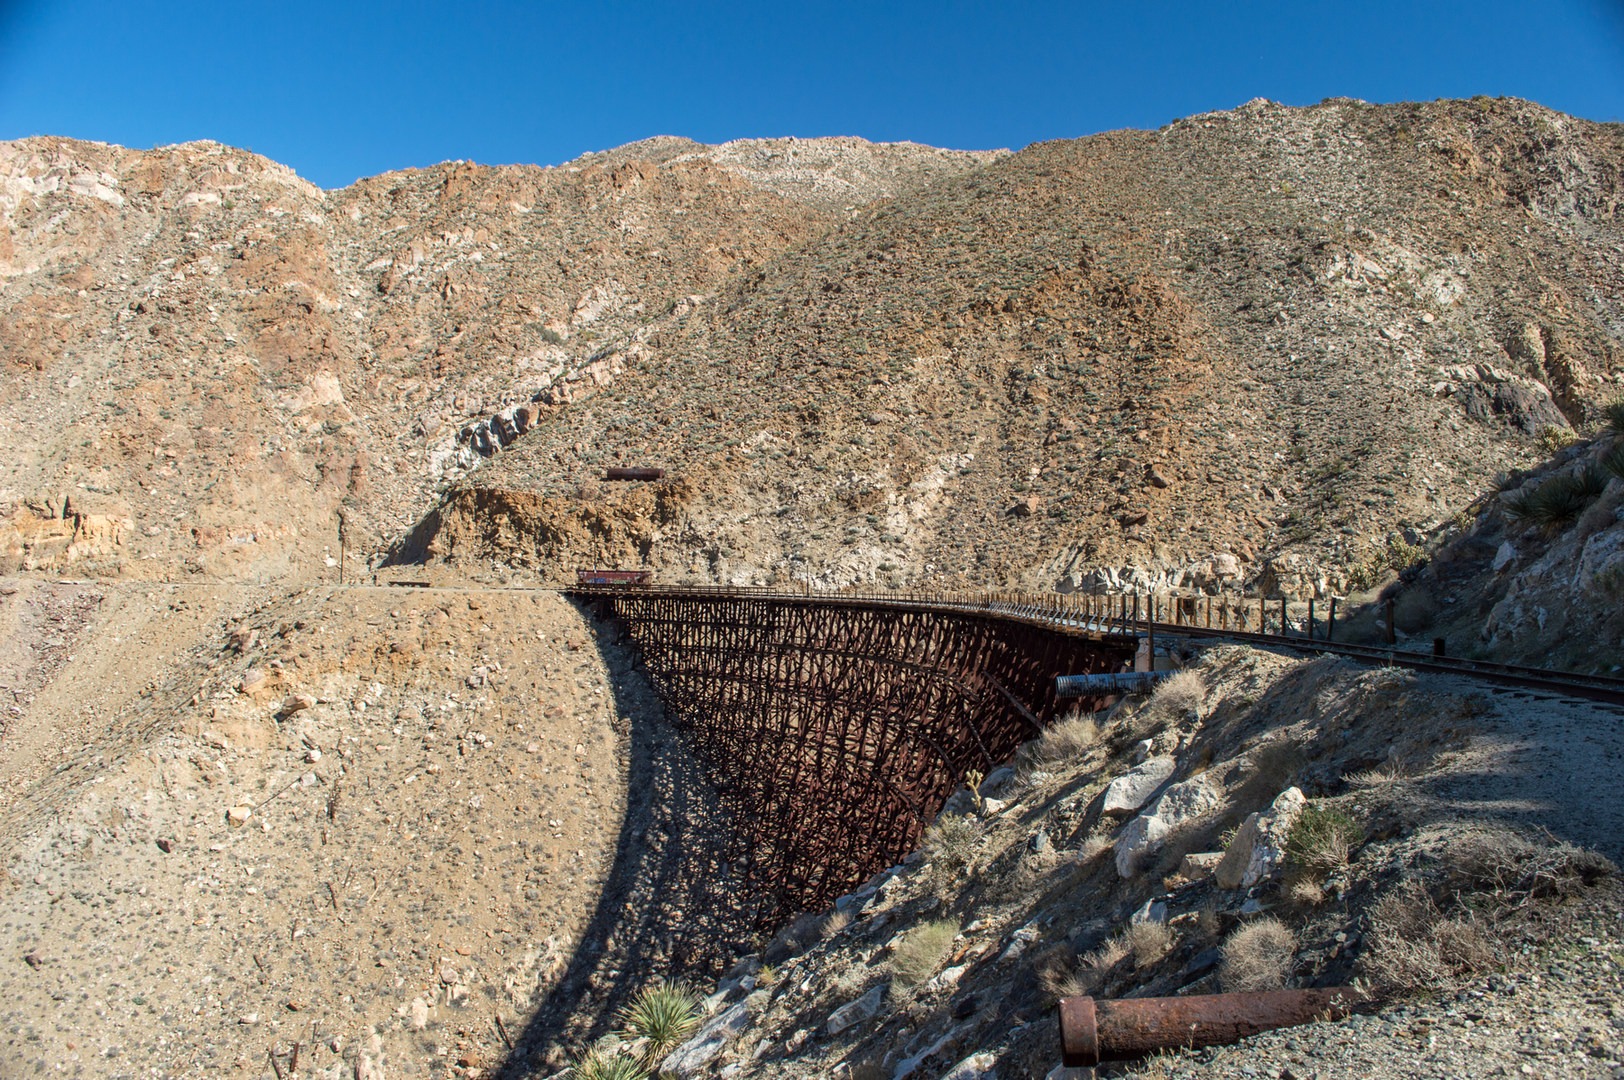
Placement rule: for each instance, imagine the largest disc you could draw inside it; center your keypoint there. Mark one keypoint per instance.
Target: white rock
(1141, 835)
(1505, 556)
(1259, 846)
(238, 816)
(1187, 801)
(419, 1018)
(855, 1012)
(1134, 788)
(980, 1066)
(1153, 911)
(1197, 865)
(712, 1038)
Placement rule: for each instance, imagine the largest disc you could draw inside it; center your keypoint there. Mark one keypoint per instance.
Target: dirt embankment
(374, 822)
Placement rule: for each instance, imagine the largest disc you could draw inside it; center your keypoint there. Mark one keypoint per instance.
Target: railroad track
(1113, 617)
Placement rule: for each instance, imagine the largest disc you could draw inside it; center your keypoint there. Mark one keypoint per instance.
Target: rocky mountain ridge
(1268, 339)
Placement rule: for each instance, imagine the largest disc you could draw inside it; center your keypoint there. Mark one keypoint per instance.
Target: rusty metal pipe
(1093, 1031)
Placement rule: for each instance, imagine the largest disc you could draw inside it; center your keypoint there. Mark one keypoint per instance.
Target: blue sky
(339, 91)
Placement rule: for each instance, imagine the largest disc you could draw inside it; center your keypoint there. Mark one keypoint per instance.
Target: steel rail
(1080, 616)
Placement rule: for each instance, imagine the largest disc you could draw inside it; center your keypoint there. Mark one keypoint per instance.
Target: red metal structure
(613, 577)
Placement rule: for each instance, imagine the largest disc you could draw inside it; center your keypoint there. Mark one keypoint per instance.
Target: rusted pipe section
(1124, 682)
(1093, 1031)
(620, 472)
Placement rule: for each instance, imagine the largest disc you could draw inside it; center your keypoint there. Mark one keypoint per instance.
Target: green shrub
(1557, 503)
(1613, 413)
(665, 1013)
(1613, 461)
(598, 1065)
(1322, 838)
(917, 956)
(1553, 438)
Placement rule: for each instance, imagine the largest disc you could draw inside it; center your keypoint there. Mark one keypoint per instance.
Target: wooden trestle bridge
(837, 724)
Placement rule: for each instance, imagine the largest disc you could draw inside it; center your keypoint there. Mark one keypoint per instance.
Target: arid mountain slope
(1265, 331)
(211, 356)
(1252, 346)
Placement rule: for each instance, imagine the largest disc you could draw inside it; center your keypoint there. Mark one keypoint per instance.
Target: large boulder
(1128, 792)
(1259, 846)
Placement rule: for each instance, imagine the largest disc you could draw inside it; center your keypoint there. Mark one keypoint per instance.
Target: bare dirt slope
(437, 833)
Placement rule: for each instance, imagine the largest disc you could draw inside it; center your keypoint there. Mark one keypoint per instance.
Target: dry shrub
(1388, 772)
(1180, 694)
(1493, 879)
(951, 845)
(1322, 839)
(1517, 870)
(1414, 946)
(834, 923)
(1097, 965)
(1257, 957)
(1057, 973)
(1148, 941)
(918, 954)
(1066, 740)
(1094, 846)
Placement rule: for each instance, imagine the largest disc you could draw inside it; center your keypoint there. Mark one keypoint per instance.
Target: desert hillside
(1252, 345)
(260, 808)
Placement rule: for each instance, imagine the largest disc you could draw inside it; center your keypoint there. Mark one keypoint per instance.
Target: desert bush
(1148, 942)
(1553, 438)
(1613, 413)
(664, 1014)
(1180, 694)
(1414, 946)
(1558, 501)
(1515, 870)
(598, 1064)
(1612, 462)
(1066, 740)
(1257, 957)
(1322, 838)
(1097, 964)
(917, 955)
(951, 844)
(1414, 611)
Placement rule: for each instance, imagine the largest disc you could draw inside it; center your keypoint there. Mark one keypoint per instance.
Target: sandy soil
(435, 830)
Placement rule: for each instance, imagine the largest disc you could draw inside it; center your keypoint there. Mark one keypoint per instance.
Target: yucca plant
(1557, 502)
(1613, 413)
(599, 1065)
(664, 1014)
(1613, 460)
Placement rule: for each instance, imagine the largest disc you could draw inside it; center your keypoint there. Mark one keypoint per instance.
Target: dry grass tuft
(1180, 694)
(1414, 946)
(1066, 739)
(917, 955)
(1389, 772)
(834, 923)
(1149, 942)
(1257, 957)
